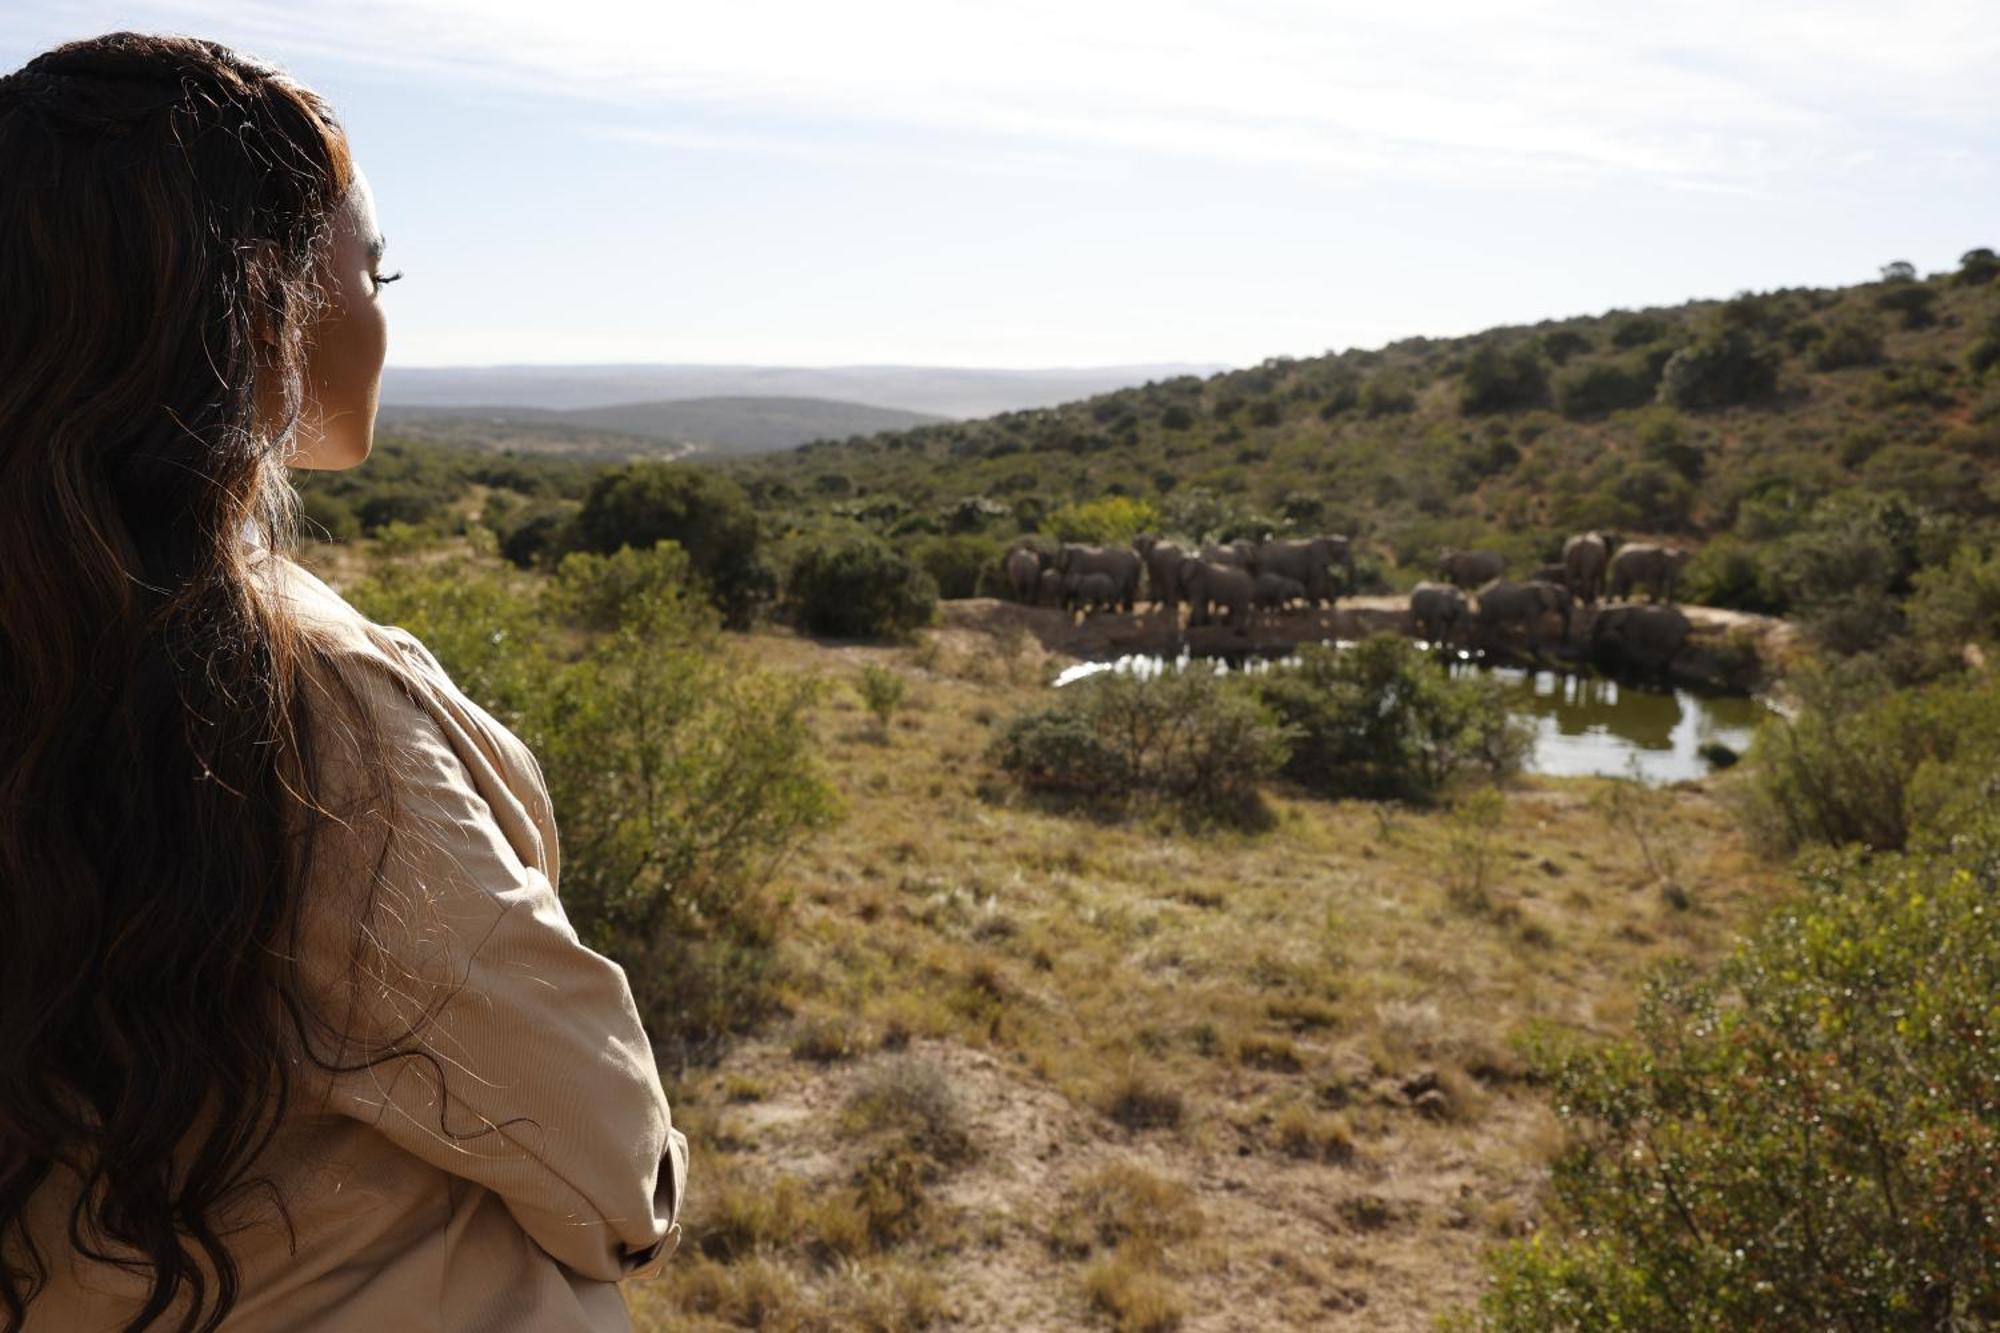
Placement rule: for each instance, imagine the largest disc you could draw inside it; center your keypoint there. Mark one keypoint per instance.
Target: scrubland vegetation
(1284, 1000)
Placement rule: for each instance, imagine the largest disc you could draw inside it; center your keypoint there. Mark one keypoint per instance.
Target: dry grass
(1009, 1024)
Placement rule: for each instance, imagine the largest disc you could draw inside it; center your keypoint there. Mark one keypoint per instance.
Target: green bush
(1914, 302)
(961, 564)
(1730, 572)
(1383, 720)
(1810, 1140)
(858, 587)
(707, 514)
(1190, 736)
(1499, 379)
(1853, 341)
(1594, 388)
(324, 517)
(1726, 367)
(1111, 520)
(1863, 764)
(1958, 603)
(1386, 393)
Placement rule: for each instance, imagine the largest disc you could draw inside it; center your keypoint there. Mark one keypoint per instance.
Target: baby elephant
(1440, 611)
(1275, 592)
(1093, 592)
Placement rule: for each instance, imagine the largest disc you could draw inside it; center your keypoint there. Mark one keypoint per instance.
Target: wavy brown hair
(167, 207)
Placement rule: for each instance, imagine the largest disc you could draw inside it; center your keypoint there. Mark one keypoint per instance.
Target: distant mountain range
(681, 426)
(723, 409)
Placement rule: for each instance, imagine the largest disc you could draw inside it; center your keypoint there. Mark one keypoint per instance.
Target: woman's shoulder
(405, 686)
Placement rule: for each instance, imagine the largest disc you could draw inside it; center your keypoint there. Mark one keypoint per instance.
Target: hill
(522, 430)
(627, 430)
(1741, 419)
(936, 390)
(749, 425)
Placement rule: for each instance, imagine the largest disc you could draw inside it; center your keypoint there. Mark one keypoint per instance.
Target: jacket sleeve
(531, 1073)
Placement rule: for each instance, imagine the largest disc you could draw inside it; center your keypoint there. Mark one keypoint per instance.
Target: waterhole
(1584, 724)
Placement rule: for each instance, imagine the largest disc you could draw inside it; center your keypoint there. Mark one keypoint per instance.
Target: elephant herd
(1229, 580)
(1638, 636)
(1470, 603)
(1587, 568)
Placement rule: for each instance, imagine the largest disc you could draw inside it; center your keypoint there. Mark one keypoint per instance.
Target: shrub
(1187, 735)
(1921, 384)
(1984, 352)
(857, 587)
(881, 692)
(708, 515)
(1915, 303)
(1862, 764)
(1733, 573)
(961, 564)
(1808, 1140)
(1385, 393)
(1383, 720)
(1958, 603)
(534, 537)
(1726, 367)
(324, 517)
(1593, 388)
(1112, 519)
(1853, 341)
(1502, 380)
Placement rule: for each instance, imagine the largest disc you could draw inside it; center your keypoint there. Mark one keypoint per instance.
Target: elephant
(1584, 558)
(1469, 569)
(1120, 564)
(1639, 637)
(1024, 574)
(1505, 606)
(1275, 592)
(1440, 611)
(1163, 567)
(1049, 588)
(1551, 574)
(1238, 553)
(1209, 585)
(1092, 592)
(1310, 563)
(1658, 567)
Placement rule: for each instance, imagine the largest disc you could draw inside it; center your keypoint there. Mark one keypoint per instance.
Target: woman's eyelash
(381, 278)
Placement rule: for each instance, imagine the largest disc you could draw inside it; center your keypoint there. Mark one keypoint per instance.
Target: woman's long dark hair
(166, 211)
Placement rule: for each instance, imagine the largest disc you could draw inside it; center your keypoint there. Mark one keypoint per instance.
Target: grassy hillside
(673, 429)
(1146, 1078)
(749, 425)
(1715, 418)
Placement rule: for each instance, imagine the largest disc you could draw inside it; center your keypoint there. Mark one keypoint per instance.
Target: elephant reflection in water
(1581, 704)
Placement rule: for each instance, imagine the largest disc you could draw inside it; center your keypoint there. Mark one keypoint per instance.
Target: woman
(296, 1035)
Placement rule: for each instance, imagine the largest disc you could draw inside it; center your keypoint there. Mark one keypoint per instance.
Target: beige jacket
(551, 1169)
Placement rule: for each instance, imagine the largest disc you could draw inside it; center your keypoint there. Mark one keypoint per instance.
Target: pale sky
(1031, 183)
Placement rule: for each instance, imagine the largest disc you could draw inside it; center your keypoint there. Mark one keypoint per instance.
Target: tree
(1977, 267)
(649, 500)
(1852, 341)
(1899, 270)
(857, 586)
(1726, 367)
(1497, 380)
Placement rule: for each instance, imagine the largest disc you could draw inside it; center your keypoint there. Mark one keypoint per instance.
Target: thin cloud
(1710, 93)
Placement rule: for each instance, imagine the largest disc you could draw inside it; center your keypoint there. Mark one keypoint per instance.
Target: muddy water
(1584, 725)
